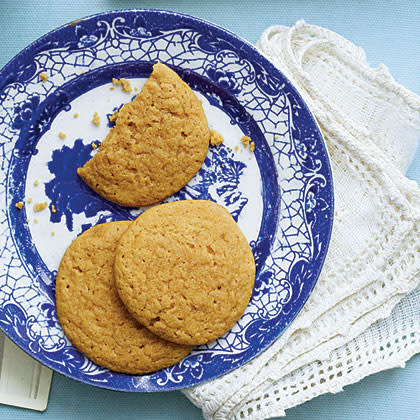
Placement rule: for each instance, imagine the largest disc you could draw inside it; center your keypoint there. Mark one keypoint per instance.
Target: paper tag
(24, 382)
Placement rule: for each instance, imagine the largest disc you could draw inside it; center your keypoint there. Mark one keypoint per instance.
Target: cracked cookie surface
(157, 145)
(92, 314)
(185, 271)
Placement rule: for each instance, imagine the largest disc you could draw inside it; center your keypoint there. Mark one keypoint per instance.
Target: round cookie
(157, 145)
(93, 316)
(185, 271)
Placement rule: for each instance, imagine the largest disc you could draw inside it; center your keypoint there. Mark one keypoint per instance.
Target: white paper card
(23, 381)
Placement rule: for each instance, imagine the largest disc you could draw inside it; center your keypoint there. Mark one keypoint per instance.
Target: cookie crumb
(40, 206)
(94, 146)
(96, 120)
(135, 89)
(35, 220)
(19, 205)
(27, 220)
(53, 209)
(75, 22)
(113, 117)
(216, 138)
(222, 165)
(251, 146)
(29, 200)
(126, 86)
(36, 183)
(245, 140)
(52, 233)
(61, 135)
(43, 76)
(236, 148)
(111, 88)
(76, 114)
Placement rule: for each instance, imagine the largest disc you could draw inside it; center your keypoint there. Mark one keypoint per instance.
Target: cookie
(93, 316)
(185, 271)
(157, 145)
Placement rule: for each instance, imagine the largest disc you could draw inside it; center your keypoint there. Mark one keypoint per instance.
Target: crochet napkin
(350, 327)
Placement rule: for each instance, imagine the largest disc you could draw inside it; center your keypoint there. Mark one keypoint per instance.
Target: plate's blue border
(321, 227)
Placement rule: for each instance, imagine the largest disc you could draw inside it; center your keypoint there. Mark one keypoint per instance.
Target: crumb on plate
(52, 233)
(36, 183)
(29, 200)
(19, 205)
(251, 146)
(40, 206)
(96, 120)
(53, 209)
(94, 146)
(75, 22)
(245, 140)
(216, 138)
(76, 114)
(43, 76)
(61, 135)
(35, 220)
(125, 85)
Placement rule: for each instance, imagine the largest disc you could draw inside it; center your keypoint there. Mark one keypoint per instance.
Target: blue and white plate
(281, 195)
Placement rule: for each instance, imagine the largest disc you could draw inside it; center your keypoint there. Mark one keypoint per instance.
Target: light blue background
(389, 31)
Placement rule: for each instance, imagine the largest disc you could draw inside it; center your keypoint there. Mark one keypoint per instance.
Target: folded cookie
(157, 145)
(93, 316)
(185, 271)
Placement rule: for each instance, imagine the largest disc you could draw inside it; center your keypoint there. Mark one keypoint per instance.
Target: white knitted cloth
(371, 126)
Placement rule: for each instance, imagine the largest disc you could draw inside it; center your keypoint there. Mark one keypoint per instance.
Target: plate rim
(302, 102)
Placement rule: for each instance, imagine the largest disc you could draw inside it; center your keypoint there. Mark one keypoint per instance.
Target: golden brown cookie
(158, 144)
(93, 316)
(185, 271)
